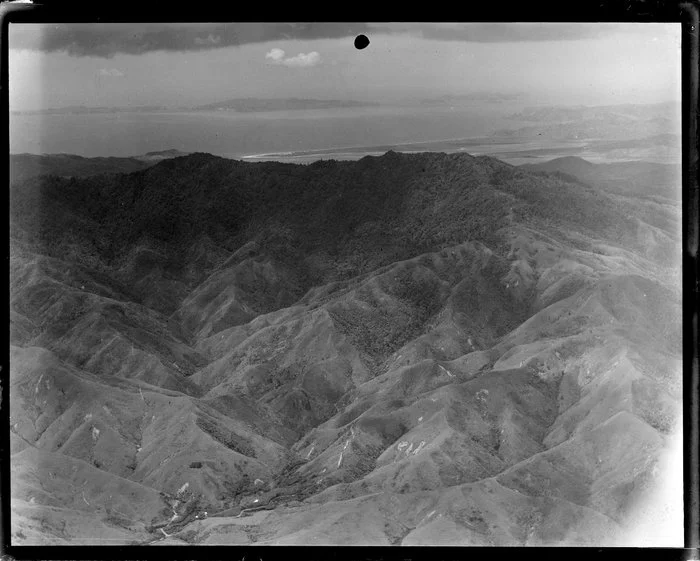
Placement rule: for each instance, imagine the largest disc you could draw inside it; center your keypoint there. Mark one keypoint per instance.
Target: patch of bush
(227, 437)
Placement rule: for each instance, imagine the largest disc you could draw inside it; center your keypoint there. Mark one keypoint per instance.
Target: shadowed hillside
(24, 166)
(414, 349)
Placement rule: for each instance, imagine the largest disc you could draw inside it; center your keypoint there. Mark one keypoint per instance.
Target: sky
(121, 65)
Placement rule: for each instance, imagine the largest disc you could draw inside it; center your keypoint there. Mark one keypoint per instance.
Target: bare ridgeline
(412, 348)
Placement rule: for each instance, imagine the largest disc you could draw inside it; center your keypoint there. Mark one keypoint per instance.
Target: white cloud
(277, 56)
(113, 72)
(311, 59)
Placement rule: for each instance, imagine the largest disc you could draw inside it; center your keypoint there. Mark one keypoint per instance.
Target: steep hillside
(406, 349)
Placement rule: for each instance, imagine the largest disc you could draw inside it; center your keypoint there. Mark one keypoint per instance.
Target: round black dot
(361, 42)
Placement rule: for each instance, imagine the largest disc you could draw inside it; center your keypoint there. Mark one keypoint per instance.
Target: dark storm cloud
(106, 40)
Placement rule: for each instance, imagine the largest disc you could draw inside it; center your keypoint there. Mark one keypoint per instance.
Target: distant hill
(610, 122)
(630, 178)
(603, 128)
(252, 104)
(562, 113)
(573, 165)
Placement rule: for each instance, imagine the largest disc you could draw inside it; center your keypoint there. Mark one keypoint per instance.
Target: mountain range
(407, 349)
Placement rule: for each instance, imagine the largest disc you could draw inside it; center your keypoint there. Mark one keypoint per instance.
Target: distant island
(254, 104)
(239, 105)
